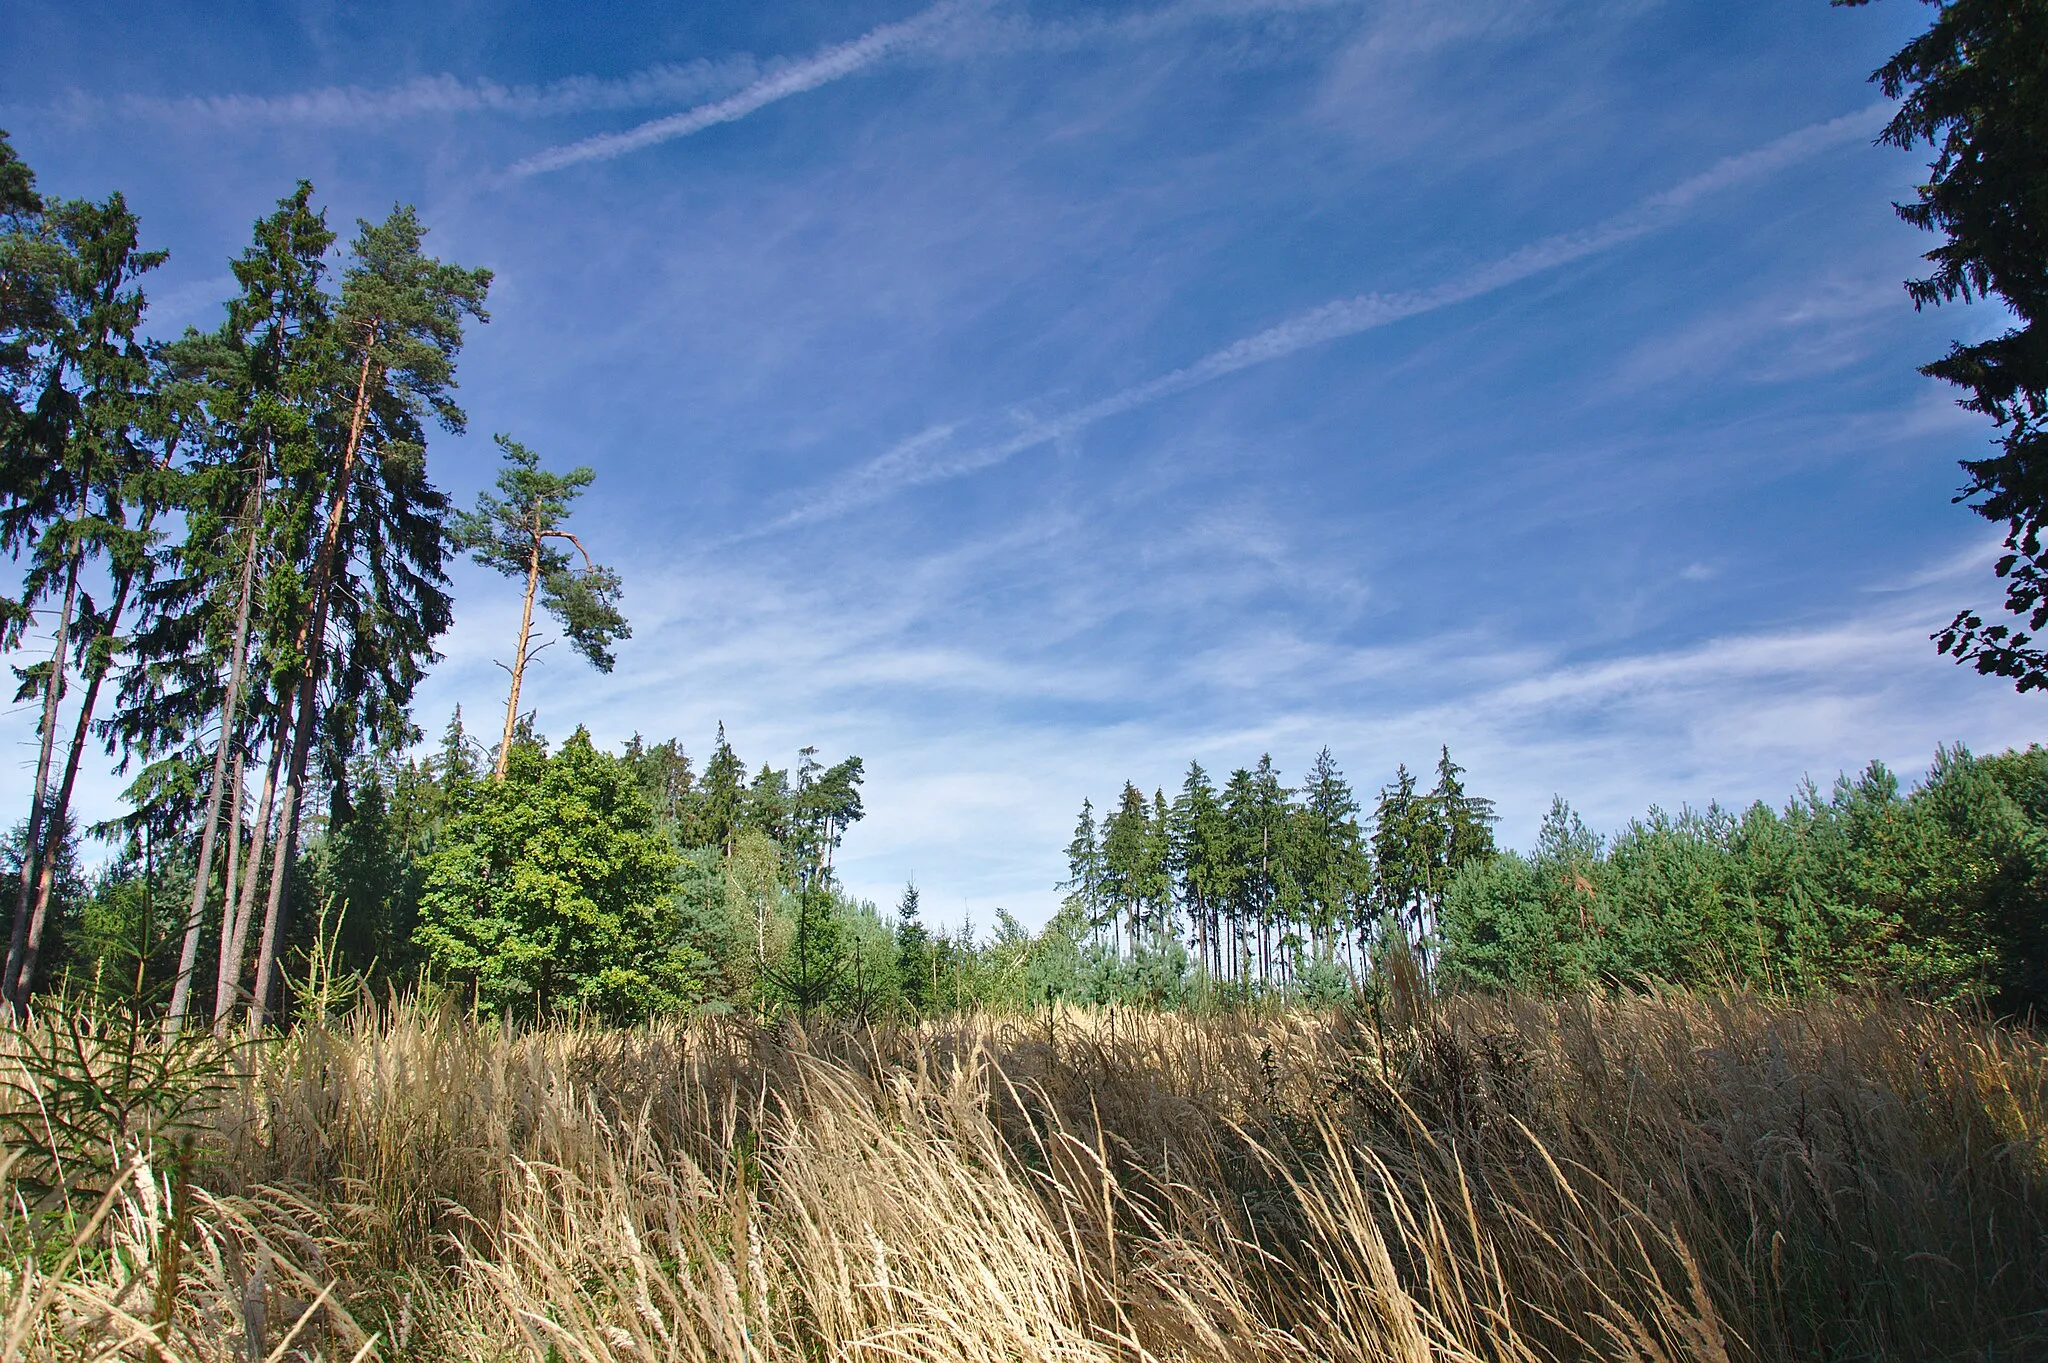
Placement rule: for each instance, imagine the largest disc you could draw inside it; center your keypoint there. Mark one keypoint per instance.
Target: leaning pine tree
(512, 533)
(381, 540)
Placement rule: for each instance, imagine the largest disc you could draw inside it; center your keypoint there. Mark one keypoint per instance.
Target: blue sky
(1030, 396)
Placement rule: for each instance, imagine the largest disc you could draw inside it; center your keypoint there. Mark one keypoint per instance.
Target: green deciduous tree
(555, 887)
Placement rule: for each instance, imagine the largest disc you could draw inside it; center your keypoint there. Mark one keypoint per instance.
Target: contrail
(445, 95)
(914, 463)
(833, 63)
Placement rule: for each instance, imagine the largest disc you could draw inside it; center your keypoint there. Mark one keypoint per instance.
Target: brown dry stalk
(1716, 1180)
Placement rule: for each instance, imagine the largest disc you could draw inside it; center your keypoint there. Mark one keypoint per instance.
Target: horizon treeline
(1268, 885)
(234, 564)
(234, 560)
(1940, 891)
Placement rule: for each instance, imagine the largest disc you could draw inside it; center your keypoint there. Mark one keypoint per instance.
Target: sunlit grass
(1646, 1178)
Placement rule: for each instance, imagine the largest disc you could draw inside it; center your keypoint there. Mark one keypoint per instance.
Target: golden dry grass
(1654, 1178)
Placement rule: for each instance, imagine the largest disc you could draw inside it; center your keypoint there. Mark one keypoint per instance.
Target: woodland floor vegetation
(1497, 1177)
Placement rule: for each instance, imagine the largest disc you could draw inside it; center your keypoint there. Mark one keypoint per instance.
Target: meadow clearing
(1647, 1177)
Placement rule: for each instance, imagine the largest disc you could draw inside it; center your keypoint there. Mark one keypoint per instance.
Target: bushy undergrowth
(1471, 1178)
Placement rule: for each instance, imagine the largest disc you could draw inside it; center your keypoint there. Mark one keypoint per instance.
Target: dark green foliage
(1974, 87)
(78, 477)
(555, 888)
(1941, 892)
(367, 870)
(719, 810)
(914, 971)
(814, 971)
(92, 1083)
(664, 775)
(515, 533)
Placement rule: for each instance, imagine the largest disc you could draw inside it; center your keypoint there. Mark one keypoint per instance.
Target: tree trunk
(235, 941)
(518, 668)
(55, 821)
(21, 950)
(313, 648)
(231, 880)
(230, 716)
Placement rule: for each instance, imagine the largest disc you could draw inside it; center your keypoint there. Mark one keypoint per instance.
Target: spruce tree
(1127, 871)
(913, 953)
(73, 462)
(1202, 863)
(718, 807)
(1083, 885)
(1330, 862)
(1157, 885)
(253, 393)
(1401, 853)
(1974, 87)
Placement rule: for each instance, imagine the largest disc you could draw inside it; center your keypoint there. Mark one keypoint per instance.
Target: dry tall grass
(1650, 1178)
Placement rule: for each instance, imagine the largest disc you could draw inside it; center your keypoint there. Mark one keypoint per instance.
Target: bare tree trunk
(230, 881)
(518, 668)
(235, 941)
(21, 950)
(283, 848)
(55, 822)
(313, 647)
(230, 724)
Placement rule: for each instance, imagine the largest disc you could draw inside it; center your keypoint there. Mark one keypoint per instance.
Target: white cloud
(439, 96)
(924, 459)
(822, 68)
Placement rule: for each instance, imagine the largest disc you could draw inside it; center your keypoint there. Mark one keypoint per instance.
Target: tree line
(232, 546)
(1267, 884)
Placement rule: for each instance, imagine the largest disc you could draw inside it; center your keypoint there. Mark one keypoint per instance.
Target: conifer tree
(1466, 820)
(253, 400)
(1202, 863)
(1083, 884)
(73, 461)
(398, 328)
(665, 776)
(1126, 866)
(511, 533)
(826, 803)
(1330, 863)
(1262, 816)
(1158, 871)
(1402, 854)
(913, 952)
(720, 800)
(1974, 87)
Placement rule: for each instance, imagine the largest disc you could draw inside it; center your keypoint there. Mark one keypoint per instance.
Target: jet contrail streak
(834, 63)
(913, 463)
